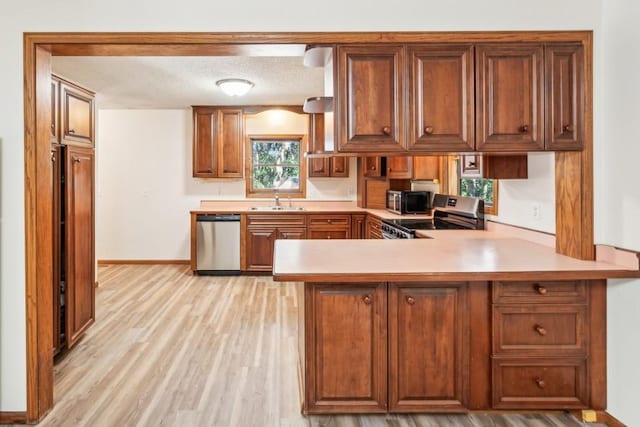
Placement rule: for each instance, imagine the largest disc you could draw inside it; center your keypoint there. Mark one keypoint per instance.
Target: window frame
(250, 192)
(488, 209)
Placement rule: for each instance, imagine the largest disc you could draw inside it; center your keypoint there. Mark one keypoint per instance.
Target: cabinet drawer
(277, 220)
(331, 221)
(328, 234)
(539, 329)
(536, 292)
(539, 383)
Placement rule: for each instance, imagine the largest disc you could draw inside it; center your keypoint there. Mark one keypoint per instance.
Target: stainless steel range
(449, 213)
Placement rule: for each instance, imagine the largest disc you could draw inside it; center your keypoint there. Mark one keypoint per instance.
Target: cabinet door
(292, 233)
(509, 91)
(399, 167)
(426, 167)
(318, 167)
(564, 96)
(339, 167)
(369, 98)
(428, 347)
(374, 167)
(230, 144)
(441, 111)
(57, 181)
(329, 234)
(76, 115)
(260, 248)
(373, 227)
(358, 230)
(346, 348)
(80, 277)
(205, 164)
(55, 110)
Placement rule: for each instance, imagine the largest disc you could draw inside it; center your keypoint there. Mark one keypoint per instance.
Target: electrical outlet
(535, 211)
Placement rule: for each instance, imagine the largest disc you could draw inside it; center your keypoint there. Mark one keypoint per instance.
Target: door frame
(573, 170)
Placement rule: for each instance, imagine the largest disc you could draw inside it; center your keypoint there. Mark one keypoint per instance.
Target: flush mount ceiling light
(235, 87)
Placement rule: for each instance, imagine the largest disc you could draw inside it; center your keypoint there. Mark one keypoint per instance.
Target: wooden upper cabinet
(426, 167)
(374, 166)
(369, 98)
(79, 256)
(509, 97)
(441, 94)
(399, 167)
(564, 96)
(328, 167)
(77, 111)
(218, 142)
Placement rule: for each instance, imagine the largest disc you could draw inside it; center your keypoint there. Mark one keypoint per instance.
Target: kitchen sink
(277, 208)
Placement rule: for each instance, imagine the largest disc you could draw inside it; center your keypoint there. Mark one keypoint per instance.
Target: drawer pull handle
(540, 330)
(567, 128)
(367, 299)
(329, 221)
(386, 130)
(328, 237)
(540, 289)
(428, 130)
(410, 300)
(524, 129)
(540, 383)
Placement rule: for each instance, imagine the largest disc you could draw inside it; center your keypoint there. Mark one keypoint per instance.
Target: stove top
(412, 224)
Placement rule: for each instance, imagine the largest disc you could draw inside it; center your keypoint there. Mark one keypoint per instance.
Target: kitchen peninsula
(448, 324)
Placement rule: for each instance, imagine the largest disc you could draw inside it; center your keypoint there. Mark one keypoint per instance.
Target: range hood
(318, 104)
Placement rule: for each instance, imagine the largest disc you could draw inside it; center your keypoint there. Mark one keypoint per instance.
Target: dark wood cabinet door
(428, 347)
(426, 167)
(76, 115)
(358, 224)
(329, 234)
(346, 348)
(509, 97)
(564, 96)
(339, 167)
(374, 167)
(399, 167)
(373, 228)
(259, 247)
(318, 167)
(79, 222)
(230, 144)
(55, 110)
(205, 163)
(56, 192)
(369, 104)
(441, 96)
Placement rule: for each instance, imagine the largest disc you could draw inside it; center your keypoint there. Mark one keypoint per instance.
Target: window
(276, 166)
(486, 189)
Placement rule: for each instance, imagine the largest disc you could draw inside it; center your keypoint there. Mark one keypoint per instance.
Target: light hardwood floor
(169, 348)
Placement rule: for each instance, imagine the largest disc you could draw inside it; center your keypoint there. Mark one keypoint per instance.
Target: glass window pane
(275, 152)
(275, 177)
(482, 188)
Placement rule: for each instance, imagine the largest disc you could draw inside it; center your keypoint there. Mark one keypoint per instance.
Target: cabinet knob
(386, 130)
(372, 168)
(72, 131)
(76, 160)
(540, 383)
(53, 156)
(209, 170)
(428, 130)
(410, 300)
(329, 237)
(53, 126)
(540, 330)
(524, 128)
(540, 289)
(367, 299)
(567, 128)
(329, 221)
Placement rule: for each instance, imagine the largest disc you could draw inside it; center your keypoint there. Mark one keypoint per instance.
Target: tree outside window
(485, 189)
(276, 165)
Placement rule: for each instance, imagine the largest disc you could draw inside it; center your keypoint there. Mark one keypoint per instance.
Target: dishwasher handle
(217, 217)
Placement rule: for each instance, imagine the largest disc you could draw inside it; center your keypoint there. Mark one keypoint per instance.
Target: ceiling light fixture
(235, 87)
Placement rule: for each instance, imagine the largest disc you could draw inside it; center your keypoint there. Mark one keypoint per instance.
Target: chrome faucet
(277, 201)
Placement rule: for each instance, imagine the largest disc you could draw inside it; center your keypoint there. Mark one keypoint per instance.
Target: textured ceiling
(179, 82)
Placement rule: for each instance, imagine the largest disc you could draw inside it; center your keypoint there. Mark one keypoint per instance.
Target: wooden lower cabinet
(333, 226)
(259, 248)
(428, 347)
(373, 227)
(346, 348)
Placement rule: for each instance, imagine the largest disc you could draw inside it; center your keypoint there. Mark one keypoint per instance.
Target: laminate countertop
(308, 207)
(450, 257)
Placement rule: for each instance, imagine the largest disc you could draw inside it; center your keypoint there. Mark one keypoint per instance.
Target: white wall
(144, 187)
(620, 194)
(329, 15)
(518, 197)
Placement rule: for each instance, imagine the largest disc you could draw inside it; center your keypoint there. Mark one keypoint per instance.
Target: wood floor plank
(169, 348)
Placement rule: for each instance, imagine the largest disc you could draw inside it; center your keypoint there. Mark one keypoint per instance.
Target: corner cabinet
(440, 88)
(370, 98)
(509, 97)
(346, 348)
(218, 142)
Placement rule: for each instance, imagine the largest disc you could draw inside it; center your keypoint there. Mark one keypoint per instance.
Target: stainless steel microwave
(408, 202)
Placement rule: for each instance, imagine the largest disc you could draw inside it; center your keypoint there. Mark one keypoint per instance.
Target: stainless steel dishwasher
(218, 244)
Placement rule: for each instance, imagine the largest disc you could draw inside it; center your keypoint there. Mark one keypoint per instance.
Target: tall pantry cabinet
(73, 160)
